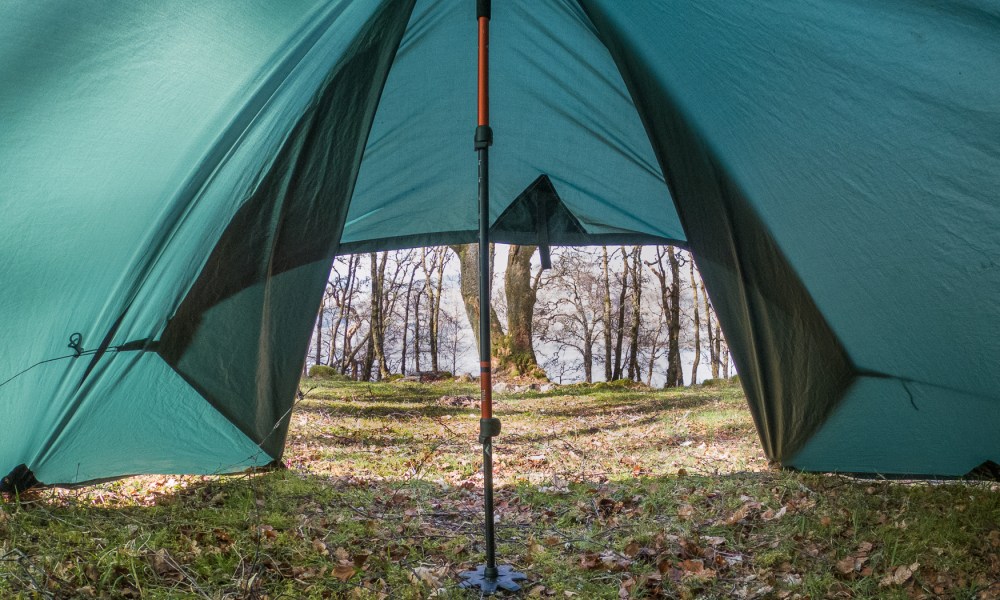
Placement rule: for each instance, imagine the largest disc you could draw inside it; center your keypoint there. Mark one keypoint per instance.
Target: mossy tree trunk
(512, 350)
(468, 260)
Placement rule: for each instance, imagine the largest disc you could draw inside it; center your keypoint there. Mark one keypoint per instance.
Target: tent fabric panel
(559, 108)
(866, 180)
(108, 256)
(258, 291)
(865, 138)
(141, 418)
(88, 174)
(245, 358)
(771, 323)
(912, 429)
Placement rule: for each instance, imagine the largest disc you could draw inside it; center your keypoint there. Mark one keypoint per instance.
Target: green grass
(603, 490)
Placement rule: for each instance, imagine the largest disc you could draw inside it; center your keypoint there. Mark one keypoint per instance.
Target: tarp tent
(175, 179)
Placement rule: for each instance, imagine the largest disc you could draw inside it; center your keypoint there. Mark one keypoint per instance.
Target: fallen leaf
(899, 575)
(590, 561)
(344, 572)
(771, 515)
(847, 565)
(427, 576)
(740, 514)
(360, 559)
(320, 546)
(163, 564)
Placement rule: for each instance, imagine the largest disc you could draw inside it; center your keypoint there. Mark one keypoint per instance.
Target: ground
(604, 491)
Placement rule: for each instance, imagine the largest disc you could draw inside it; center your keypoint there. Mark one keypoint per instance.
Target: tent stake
(488, 577)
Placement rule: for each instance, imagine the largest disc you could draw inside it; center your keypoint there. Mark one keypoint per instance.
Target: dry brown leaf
(428, 576)
(360, 559)
(320, 546)
(740, 514)
(685, 511)
(847, 565)
(692, 565)
(899, 575)
(344, 572)
(772, 515)
(590, 561)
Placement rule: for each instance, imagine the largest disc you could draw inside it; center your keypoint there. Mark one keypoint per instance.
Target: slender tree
(606, 280)
(697, 326)
(634, 271)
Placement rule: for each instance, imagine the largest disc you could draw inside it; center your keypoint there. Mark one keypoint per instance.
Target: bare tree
(606, 280)
(697, 327)
(433, 262)
(670, 287)
(634, 272)
(573, 308)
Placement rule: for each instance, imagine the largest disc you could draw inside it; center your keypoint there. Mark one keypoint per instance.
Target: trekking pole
(488, 577)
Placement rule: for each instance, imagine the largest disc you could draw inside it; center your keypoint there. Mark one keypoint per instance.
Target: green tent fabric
(175, 180)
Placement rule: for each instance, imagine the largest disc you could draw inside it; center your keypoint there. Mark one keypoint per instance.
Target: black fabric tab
(19, 480)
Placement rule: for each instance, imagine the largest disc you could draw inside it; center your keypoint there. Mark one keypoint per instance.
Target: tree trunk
(468, 264)
(433, 299)
(416, 331)
(352, 266)
(377, 314)
(620, 325)
(697, 328)
(319, 332)
(406, 322)
(634, 371)
(713, 359)
(718, 349)
(515, 352)
(674, 375)
(607, 313)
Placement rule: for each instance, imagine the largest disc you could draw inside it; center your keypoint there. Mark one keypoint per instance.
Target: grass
(603, 492)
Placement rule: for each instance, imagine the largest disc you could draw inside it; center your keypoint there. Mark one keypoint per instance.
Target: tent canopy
(176, 179)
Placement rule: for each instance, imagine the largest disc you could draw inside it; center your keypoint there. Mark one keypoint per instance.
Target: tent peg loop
(76, 344)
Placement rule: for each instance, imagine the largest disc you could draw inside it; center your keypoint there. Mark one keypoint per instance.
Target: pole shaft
(485, 369)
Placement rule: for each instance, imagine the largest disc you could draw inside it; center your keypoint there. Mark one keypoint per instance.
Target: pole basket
(506, 578)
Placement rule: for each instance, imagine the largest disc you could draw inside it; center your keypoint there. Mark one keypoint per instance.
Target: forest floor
(604, 491)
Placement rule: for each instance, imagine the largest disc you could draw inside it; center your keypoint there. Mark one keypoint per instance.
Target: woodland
(599, 314)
